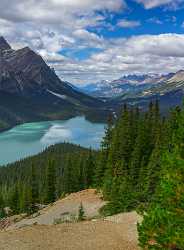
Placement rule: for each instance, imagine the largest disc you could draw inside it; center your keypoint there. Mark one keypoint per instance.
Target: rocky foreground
(47, 231)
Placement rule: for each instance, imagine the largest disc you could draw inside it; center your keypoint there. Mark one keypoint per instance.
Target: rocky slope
(65, 210)
(110, 233)
(139, 90)
(37, 90)
(169, 91)
(126, 86)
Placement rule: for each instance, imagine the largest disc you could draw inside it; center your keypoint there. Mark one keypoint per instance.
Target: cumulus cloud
(87, 38)
(139, 54)
(124, 23)
(52, 26)
(50, 11)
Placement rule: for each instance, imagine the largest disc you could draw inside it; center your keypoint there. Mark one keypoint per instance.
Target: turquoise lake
(31, 138)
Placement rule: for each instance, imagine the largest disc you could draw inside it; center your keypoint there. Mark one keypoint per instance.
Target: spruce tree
(81, 213)
(101, 164)
(89, 169)
(67, 176)
(162, 227)
(2, 206)
(27, 202)
(50, 182)
(14, 199)
(33, 191)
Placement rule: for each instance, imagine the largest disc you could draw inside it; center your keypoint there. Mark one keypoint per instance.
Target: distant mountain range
(127, 86)
(30, 90)
(139, 90)
(168, 90)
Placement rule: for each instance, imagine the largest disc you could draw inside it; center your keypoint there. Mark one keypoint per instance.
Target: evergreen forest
(140, 166)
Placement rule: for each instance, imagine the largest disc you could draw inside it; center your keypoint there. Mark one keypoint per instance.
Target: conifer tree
(33, 190)
(162, 227)
(101, 164)
(67, 176)
(50, 182)
(14, 199)
(90, 169)
(81, 213)
(27, 202)
(2, 206)
(133, 159)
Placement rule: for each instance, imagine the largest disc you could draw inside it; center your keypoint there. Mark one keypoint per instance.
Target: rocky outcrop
(39, 93)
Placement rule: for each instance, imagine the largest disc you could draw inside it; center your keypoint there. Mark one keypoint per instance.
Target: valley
(32, 138)
(31, 91)
(92, 125)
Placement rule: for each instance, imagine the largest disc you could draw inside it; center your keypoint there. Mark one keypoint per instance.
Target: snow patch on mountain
(56, 94)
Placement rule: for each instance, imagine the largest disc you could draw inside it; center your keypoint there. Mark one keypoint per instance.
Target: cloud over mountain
(92, 40)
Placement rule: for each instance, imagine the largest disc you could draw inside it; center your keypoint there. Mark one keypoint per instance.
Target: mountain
(169, 91)
(127, 85)
(174, 83)
(4, 45)
(31, 90)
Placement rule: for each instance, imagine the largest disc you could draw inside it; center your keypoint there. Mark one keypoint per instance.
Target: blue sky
(151, 21)
(91, 40)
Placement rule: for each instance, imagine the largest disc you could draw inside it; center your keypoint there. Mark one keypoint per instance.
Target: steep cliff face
(28, 75)
(4, 44)
(26, 78)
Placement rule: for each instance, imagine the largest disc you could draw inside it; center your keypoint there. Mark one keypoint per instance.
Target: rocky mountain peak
(4, 44)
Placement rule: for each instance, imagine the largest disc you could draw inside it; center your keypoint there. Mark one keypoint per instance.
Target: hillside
(139, 167)
(111, 233)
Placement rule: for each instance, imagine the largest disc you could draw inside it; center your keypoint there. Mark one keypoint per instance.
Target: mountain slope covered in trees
(60, 169)
(139, 166)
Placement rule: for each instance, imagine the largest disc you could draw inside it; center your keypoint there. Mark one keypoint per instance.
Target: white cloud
(140, 54)
(48, 26)
(124, 23)
(52, 25)
(51, 11)
(87, 38)
(149, 4)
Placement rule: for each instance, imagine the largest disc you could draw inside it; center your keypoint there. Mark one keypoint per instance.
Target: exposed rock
(27, 85)
(4, 44)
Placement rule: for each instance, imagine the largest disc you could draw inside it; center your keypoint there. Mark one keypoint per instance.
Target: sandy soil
(92, 235)
(111, 233)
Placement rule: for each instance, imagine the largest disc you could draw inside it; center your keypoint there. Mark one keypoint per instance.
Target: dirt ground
(65, 208)
(111, 233)
(94, 235)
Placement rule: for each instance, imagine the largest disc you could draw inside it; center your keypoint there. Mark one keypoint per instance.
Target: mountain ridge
(26, 78)
(126, 85)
